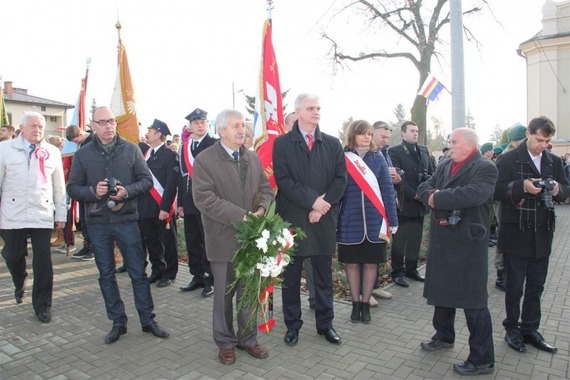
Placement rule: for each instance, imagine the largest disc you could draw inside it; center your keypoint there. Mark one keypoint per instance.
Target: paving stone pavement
(72, 347)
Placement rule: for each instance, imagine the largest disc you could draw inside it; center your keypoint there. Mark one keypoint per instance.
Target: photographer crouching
(530, 179)
(460, 195)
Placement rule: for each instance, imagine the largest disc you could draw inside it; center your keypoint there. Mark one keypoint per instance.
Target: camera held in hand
(112, 184)
(401, 172)
(423, 176)
(547, 185)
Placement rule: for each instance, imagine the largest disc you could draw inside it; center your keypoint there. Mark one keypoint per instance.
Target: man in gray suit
(227, 180)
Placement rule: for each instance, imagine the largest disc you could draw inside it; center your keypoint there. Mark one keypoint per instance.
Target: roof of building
(20, 95)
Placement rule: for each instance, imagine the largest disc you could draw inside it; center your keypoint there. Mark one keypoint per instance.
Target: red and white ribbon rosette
(41, 155)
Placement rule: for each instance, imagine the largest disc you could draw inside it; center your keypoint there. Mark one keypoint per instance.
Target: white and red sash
(368, 183)
(157, 192)
(188, 157)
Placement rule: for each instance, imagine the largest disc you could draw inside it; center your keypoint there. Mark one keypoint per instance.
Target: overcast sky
(186, 54)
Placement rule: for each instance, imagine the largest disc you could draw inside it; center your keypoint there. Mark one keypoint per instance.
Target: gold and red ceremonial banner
(268, 119)
(123, 103)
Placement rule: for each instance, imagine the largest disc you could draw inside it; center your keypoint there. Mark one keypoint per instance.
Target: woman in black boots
(367, 216)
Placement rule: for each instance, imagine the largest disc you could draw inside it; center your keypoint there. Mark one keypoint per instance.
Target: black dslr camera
(547, 185)
(423, 176)
(112, 184)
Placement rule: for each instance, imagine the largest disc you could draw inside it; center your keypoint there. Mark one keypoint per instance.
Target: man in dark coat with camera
(530, 180)
(414, 160)
(108, 175)
(460, 194)
(310, 173)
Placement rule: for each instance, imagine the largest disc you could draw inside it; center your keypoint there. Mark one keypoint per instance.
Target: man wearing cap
(516, 135)
(198, 263)
(487, 150)
(156, 207)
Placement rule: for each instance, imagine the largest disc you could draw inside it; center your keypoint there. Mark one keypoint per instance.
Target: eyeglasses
(102, 123)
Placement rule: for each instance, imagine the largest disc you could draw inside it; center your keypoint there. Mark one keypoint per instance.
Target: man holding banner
(156, 208)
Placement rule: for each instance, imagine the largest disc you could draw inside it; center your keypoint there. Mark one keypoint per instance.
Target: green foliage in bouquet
(265, 246)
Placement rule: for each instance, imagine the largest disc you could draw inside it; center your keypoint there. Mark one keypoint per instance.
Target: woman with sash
(367, 216)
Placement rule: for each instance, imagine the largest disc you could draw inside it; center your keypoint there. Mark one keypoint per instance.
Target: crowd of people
(358, 199)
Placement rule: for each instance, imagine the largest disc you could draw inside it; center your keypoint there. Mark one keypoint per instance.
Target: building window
(44, 108)
(53, 119)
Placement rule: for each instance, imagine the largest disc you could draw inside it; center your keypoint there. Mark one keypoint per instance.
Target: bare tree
(342, 131)
(497, 134)
(417, 27)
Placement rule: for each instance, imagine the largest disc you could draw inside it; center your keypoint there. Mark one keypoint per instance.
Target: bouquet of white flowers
(266, 244)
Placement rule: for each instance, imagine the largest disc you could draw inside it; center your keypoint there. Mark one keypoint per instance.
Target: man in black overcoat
(460, 194)
(530, 180)
(198, 263)
(310, 173)
(414, 160)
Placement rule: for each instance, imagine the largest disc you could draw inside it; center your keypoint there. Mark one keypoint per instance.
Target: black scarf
(528, 207)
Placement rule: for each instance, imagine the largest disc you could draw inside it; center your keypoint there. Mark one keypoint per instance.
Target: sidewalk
(72, 347)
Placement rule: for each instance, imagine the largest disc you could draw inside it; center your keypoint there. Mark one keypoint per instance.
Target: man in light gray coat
(227, 179)
(32, 189)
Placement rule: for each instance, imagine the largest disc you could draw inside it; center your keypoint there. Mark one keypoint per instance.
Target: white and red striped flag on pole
(268, 116)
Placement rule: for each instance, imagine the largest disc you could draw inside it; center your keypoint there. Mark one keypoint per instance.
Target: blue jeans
(128, 238)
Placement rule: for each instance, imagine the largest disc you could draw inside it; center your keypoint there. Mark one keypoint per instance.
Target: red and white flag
(268, 116)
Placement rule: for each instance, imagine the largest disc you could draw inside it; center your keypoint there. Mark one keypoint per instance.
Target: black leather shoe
(121, 269)
(207, 291)
(193, 285)
(330, 335)
(115, 334)
(434, 344)
(469, 369)
(515, 340)
(291, 337)
(401, 282)
(155, 330)
(154, 277)
(538, 341)
(44, 316)
(163, 283)
(415, 275)
(19, 295)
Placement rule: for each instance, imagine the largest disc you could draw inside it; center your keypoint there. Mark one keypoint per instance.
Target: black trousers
(15, 251)
(481, 349)
(151, 231)
(170, 250)
(198, 263)
(406, 245)
(534, 271)
(291, 292)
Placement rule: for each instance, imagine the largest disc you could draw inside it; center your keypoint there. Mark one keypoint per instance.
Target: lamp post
(234, 95)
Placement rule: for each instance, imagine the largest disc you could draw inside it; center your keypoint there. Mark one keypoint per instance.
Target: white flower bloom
(261, 244)
(265, 234)
(288, 237)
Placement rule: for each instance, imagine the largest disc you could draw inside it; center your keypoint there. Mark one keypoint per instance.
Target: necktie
(194, 145)
(151, 153)
(310, 141)
(236, 155)
(32, 148)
